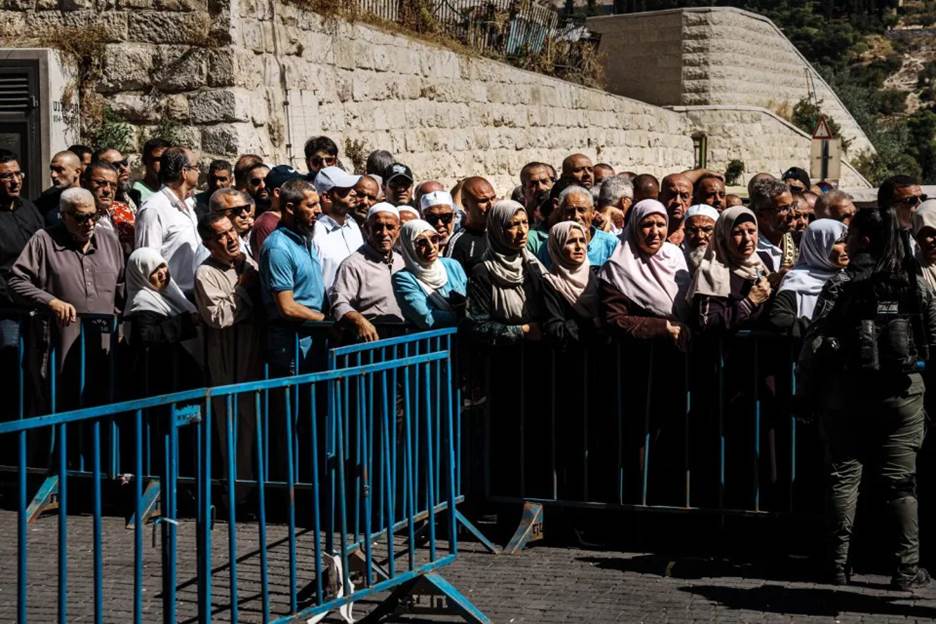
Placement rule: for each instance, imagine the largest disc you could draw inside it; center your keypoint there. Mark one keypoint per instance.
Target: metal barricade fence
(417, 481)
(633, 425)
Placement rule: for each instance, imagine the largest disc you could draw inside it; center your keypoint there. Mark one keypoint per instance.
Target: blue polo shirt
(288, 261)
(600, 248)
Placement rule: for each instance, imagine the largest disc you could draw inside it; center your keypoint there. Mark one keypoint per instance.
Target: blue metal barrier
(344, 444)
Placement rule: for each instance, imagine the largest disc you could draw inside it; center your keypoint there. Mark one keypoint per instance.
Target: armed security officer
(876, 323)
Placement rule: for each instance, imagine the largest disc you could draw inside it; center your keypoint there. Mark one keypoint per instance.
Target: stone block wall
(768, 143)
(718, 56)
(445, 114)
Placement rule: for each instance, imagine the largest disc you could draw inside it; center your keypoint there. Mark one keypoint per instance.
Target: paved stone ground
(545, 584)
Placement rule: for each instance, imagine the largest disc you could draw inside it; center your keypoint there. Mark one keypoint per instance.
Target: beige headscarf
(925, 216)
(506, 265)
(573, 281)
(714, 275)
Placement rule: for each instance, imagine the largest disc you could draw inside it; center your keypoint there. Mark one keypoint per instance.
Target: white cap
(436, 198)
(334, 177)
(376, 178)
(702, 210)
(383, 207)
(408, 208)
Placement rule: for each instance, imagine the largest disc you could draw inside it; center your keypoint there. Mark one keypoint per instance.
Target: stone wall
(446, 114)
(714, 56)
(261, 76)
(767, 140)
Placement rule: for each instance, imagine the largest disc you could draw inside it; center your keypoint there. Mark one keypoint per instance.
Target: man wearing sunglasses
(320, 152)
(337, 235)
(904, 194)
(438, 210)
(125, 192)
(255, 185)
(71, 268)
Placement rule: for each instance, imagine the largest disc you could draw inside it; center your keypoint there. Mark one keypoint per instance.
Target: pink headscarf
(657, 283)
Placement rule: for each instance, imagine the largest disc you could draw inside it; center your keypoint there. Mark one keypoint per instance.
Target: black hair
(97, 164)
(378, 161)
(320, 144)
(293, 192)
(205, 224)
(80, 150)
(154, 144)
(220, 165)
(889, 186)
(7, 156)
(171, 164)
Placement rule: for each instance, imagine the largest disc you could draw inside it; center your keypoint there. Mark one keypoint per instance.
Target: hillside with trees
(879, 57)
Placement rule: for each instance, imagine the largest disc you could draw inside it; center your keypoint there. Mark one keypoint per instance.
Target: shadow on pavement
(785, 570)
(810, 601)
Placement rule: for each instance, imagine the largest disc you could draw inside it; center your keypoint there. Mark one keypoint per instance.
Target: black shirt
(467, 248)
(16, 228)
(48, 205)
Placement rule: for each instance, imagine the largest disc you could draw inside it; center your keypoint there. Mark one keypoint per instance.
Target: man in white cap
(362, 290)
(699, 228)
(337, 235)
(407, 213)
(438, 210)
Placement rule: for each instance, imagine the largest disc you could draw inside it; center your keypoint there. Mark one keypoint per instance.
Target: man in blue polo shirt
(576, 204)
(291, 281)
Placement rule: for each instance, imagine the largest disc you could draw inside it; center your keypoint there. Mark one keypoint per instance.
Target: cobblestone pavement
(544, 584)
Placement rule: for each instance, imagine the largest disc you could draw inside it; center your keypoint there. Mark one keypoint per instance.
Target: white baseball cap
(334, 177)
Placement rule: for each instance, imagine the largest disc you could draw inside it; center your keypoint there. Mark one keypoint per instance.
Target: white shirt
(335, 243)
(170, 225)
(774, 252)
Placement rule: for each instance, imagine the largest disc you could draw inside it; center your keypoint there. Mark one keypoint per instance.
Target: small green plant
(111, 131)
(733, 172)
(357, 151)
(170, 131)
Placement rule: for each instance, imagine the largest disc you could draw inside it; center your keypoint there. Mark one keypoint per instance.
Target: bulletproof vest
(884, 323)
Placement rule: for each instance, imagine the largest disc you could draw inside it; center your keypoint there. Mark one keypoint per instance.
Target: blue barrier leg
(149, 507)
(63, 525)
(138, 513)
(428, 594)
(44, 500)
(316, 512)
(98, 528)
(291, 510)
(261, 508)
(232, 494)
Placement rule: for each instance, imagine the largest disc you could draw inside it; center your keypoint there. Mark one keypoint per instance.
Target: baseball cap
(797, 174)
(280, 175)
(397, 170)
(334, 177)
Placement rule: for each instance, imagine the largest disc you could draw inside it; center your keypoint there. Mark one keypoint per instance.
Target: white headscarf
(504, 264)
(657, 283)
(814, 268)
(573, 281)
(925, 216)
(713, 277)
(142, 297)
(431, 275)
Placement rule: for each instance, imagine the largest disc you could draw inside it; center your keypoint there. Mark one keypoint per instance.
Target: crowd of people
(230, 276)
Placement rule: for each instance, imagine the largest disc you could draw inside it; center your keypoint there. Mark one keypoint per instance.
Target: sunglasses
(370, 198)
(912, 200)
(257, 181)
(234, 211)
(123, 164)
(328, 161)
(81, 219)
(445, 217)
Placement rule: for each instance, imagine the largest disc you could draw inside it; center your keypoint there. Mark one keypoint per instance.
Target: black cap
(280, 175)
(397, 170)
(797, 174)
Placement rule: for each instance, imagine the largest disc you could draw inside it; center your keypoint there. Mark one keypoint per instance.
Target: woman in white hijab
(644, 284)
(505, 290)
(570, 289)
(821, 255)
(430, 290)
(160, 319)
(924, 231)
(730, 288)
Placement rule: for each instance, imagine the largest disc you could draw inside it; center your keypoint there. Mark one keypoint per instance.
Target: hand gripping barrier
(374, 444)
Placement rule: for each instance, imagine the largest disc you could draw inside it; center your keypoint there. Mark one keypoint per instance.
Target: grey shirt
(362, 284)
